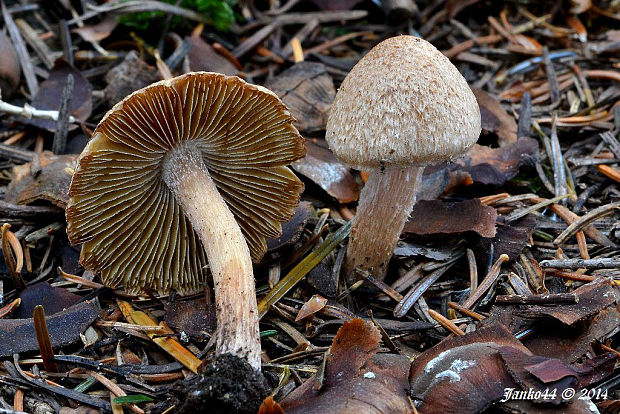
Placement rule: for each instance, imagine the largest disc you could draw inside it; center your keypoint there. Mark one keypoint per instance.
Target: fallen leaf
(9, 67)
(50, 91)
(270, 406)
(438, 217)
(510, 239)
(52, 299)
(495, 166)
(495, 119)
(51, 183)
(202, 57)
(292, 229)
(312, 306)
(308, 91)
(99, 31)
(322, 167)
(17, 335)
(356, 378)
(194, 317)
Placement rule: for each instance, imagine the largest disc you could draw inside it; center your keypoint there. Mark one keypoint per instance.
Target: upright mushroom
(184, 170)
(402, 106)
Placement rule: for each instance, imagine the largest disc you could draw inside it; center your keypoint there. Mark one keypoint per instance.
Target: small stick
(586, 220)
(610, 172)
(599, 263)
(582, 244)
(445, 322)
(554, 87)
(379, 284)
(548, 299)
(465, 311)
(570, 275)
(525, 116)
(64, 112)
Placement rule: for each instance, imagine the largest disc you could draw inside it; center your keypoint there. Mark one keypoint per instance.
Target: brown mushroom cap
(132, 229)
(403, 104)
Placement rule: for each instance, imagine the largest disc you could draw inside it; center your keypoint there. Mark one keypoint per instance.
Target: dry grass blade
(168, 344)
(43, 338)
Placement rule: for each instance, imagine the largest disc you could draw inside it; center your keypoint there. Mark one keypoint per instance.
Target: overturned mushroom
(402, 107)
(184, 170)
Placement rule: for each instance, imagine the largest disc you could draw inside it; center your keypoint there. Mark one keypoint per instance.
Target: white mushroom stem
(229, 257)
(385, 203)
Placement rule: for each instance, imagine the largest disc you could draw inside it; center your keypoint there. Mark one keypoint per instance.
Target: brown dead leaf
(510, 239)
(50, 91)
(292, 229)
(323, 168)
(435, 217)
(356, 378)
(99, 31)
(51, 183)
(194, 317)
(52, 299)
(312, 306)
(17, 335)
(495, 166)
(9, 67)
(462, 374)
(495, 119)
(202, 57)
(308, 91)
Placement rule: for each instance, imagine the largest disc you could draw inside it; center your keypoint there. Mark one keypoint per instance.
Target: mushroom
(183, 170)
(403, 106)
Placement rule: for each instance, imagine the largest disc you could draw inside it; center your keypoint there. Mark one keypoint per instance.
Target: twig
(22, 52)
(598, 263)
(64, 113)
(548, 299)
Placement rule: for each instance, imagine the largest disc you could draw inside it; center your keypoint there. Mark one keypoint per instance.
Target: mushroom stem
(385, 204)
(229, 257)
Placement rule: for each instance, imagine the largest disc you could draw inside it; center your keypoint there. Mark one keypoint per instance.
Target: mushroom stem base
(229, 257)
(385, 204)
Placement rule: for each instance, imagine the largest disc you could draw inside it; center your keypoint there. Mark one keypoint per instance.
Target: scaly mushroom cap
(132, 229)
(402, 104)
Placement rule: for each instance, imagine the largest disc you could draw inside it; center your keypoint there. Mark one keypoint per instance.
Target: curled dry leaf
(99, 31)
(495, 119)
(510, 239)
(9, 67)
(435, 217)
(17, 335)
(466, 374)
(202, 57)
(495, 166)
(356, 378)
(312, 306)
(308, 91)
(51, 183)
(323, 168)
(50, 91)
